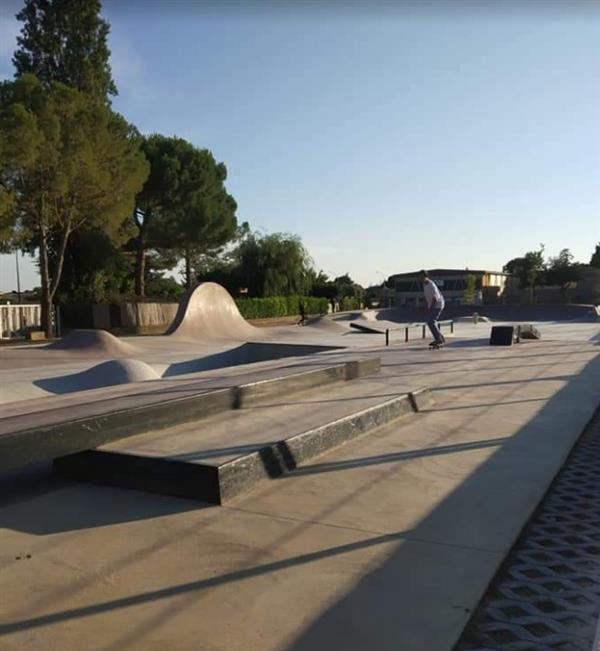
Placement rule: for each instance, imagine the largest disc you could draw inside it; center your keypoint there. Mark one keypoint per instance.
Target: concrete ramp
(94, 341)
(115, 371)
(209, 313)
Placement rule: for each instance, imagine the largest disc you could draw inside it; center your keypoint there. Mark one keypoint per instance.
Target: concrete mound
(326, 324)
(112, 372)
(248, 353)
(209, 313)
(94, 341)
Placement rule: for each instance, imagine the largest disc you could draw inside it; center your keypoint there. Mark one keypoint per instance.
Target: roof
(448, 272)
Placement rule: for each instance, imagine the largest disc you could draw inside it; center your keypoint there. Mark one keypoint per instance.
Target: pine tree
(66, 41)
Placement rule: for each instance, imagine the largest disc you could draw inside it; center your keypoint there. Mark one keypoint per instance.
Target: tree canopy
(595, 259)
(183, 206)
(65, 163)
(65, 41)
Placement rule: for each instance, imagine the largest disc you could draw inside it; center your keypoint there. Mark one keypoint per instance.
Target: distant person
(435, 305)
(302, 309)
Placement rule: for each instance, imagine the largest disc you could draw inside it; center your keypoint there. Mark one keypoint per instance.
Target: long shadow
(88, 506)
(428, 362)
(399, 604)
(373, 613)
(380, 459)
(194, 586)
(247, 353)
(550, 378)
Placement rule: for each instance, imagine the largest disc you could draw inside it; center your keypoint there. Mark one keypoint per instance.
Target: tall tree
(183, 206)
(562, 271)
(65, 163)
(529, 269)
(66, 41)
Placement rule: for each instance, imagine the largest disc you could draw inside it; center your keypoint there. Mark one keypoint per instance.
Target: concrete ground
(386, 543)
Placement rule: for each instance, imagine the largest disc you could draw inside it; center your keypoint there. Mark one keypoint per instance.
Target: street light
(18, 277)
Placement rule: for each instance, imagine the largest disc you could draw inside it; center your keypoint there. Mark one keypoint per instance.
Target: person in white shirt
(435, 305)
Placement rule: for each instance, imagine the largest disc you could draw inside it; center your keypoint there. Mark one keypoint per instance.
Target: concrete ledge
(241, 474)
(220, 483)
(29, 446)
(420, 399)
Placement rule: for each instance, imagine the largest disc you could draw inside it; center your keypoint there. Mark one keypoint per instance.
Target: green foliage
(65, 41)
(529, 269)
(595, 283)
(164, 288)
(272, 265)
(562, 271)
(280, 306)
(350, 303)
(183, 207)
(95, 270)
(347, 288)
(595, 260)
(470, 288)
(66, 162)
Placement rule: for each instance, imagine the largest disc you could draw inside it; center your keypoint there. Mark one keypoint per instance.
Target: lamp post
(18, 277)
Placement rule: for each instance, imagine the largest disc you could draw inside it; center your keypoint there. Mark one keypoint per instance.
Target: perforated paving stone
(546, 596)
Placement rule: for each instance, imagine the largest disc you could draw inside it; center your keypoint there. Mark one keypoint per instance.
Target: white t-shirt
(433, 296)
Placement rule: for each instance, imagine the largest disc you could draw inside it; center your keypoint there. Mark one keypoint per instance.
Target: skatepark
(225, 486)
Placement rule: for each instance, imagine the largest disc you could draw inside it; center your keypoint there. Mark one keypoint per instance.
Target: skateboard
(434, 345)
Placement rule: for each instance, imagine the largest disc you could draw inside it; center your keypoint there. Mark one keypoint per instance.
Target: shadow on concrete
(220, 452)
(194, 586)
(542, 353)
(368, 615)
(373, 613)
(28, 500)
(549, 378)
(334, 466)
(247, 353)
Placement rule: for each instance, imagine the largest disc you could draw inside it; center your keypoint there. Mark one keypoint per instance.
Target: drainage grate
(546, 595)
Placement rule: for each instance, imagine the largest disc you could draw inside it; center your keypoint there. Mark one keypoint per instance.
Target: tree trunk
(140, 258)
(140, 272)
(64, 238)
(46, 300)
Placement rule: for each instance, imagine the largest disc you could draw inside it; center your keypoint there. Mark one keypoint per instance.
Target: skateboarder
(435, 304)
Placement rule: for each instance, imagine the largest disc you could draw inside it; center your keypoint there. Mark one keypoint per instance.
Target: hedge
(349, 303)
(276, 306)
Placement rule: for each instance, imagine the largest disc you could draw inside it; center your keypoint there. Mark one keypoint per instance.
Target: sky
(390, 136)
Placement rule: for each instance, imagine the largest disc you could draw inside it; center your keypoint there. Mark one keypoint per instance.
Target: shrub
(350, 303)
(279, 306)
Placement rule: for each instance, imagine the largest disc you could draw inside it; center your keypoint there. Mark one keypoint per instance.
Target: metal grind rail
(406, 329)
(546, 595)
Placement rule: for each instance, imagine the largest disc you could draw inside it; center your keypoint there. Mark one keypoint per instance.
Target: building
(489, 286)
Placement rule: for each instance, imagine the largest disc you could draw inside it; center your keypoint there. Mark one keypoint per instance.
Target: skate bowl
(110, 373)
(327, 325)
(248, 353)
(497, 313)
(209, 313)
(94, 341)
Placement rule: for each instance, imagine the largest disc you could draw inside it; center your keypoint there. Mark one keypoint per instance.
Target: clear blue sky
(390, 136)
